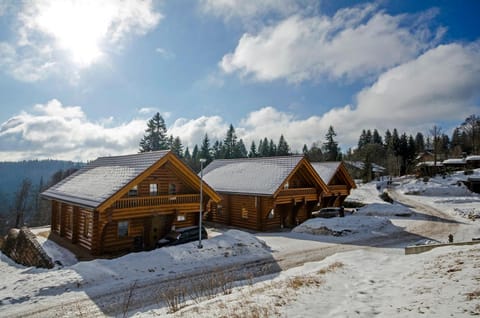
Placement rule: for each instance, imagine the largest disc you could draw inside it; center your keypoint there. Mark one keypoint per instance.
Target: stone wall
(22, 247)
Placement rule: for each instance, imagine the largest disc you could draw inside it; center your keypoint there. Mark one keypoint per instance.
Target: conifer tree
(330, 146)
(272, 148)
(177, 147)
(230, 143)
(253, 150)
(155, 137)
(240, 150)
(263, 149)
(205, 151)
(283, 149)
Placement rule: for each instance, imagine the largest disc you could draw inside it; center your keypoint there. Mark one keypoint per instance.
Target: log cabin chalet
(263, 193)
(338, 180)
(124, 203)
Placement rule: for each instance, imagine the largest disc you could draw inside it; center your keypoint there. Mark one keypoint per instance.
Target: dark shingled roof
(261, 176)
(100, 179)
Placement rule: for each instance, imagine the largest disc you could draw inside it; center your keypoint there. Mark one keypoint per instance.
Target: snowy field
(448, 192)
(362, 282)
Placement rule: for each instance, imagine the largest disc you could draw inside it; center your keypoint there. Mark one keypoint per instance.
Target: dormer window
(133, 192)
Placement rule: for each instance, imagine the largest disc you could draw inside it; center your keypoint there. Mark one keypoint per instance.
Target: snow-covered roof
(429, 163)
(361, 165)
(454, 161)
(326, 170)
(473, 158)
(262, 176)
(100, 179)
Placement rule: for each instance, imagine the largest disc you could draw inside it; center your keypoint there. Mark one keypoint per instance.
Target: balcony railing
(127, 203)
(298, 191)
(339, 187)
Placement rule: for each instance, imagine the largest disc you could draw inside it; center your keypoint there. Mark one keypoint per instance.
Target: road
(432, 223)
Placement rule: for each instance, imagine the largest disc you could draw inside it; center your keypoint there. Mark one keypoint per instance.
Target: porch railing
(127, 203)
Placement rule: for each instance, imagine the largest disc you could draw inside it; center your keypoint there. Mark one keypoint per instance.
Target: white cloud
(250, 12)
(56, 36)
(354, 43)
(441, 85)
(164, 53)
(52, 130)
(192, 131)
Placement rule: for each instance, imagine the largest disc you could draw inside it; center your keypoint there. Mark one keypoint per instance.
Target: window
(244, 213)
(153, 189)
(285, 186)
(133, 192)
(181, 217)
(172, 188)
(122, 230)
(219, 209)
(271, 214)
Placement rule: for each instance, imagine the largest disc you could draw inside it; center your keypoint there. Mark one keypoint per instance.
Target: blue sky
(79, 79)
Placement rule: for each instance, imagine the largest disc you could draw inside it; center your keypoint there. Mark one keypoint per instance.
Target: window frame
(123, 229)
(133, 192)
(172, 189)
(151, 191)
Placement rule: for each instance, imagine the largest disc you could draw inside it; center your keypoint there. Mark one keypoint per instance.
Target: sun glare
(78, 27)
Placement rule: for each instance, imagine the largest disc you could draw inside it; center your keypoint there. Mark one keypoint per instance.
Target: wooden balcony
(294, 195)
(339, 189)
(298, 191)
(159, 200)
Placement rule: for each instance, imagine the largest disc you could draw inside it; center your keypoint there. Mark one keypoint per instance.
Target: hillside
(12, 173)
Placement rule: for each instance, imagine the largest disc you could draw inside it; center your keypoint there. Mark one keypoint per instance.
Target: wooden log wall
(85, 228)
(112, 243)
(218, 212)
(163, 177)
(242, 211)
(270, 223)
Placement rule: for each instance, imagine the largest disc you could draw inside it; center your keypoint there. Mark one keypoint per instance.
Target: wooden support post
(61, 210)
(75, 223)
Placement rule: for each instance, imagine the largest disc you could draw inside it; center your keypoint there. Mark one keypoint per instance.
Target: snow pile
(351, 224)
(367, 193)
(451, 185)
(32, 286)
(385, 209)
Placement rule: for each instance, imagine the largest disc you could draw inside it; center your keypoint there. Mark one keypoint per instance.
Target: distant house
(356, 169)
(338, 180)
(123, 203)
(264, 193)
(424, 157)
(473, 161)
(455, 163)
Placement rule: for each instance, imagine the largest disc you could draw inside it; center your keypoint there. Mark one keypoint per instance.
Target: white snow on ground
(24, 286)
(439, 283)
(449, 193)
(363, 283)
(350, 224)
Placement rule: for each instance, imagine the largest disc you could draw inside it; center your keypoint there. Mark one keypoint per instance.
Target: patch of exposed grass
(330, 268)
(473, 295)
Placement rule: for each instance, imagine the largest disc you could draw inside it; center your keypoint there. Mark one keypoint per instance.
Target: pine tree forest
(392, 149)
